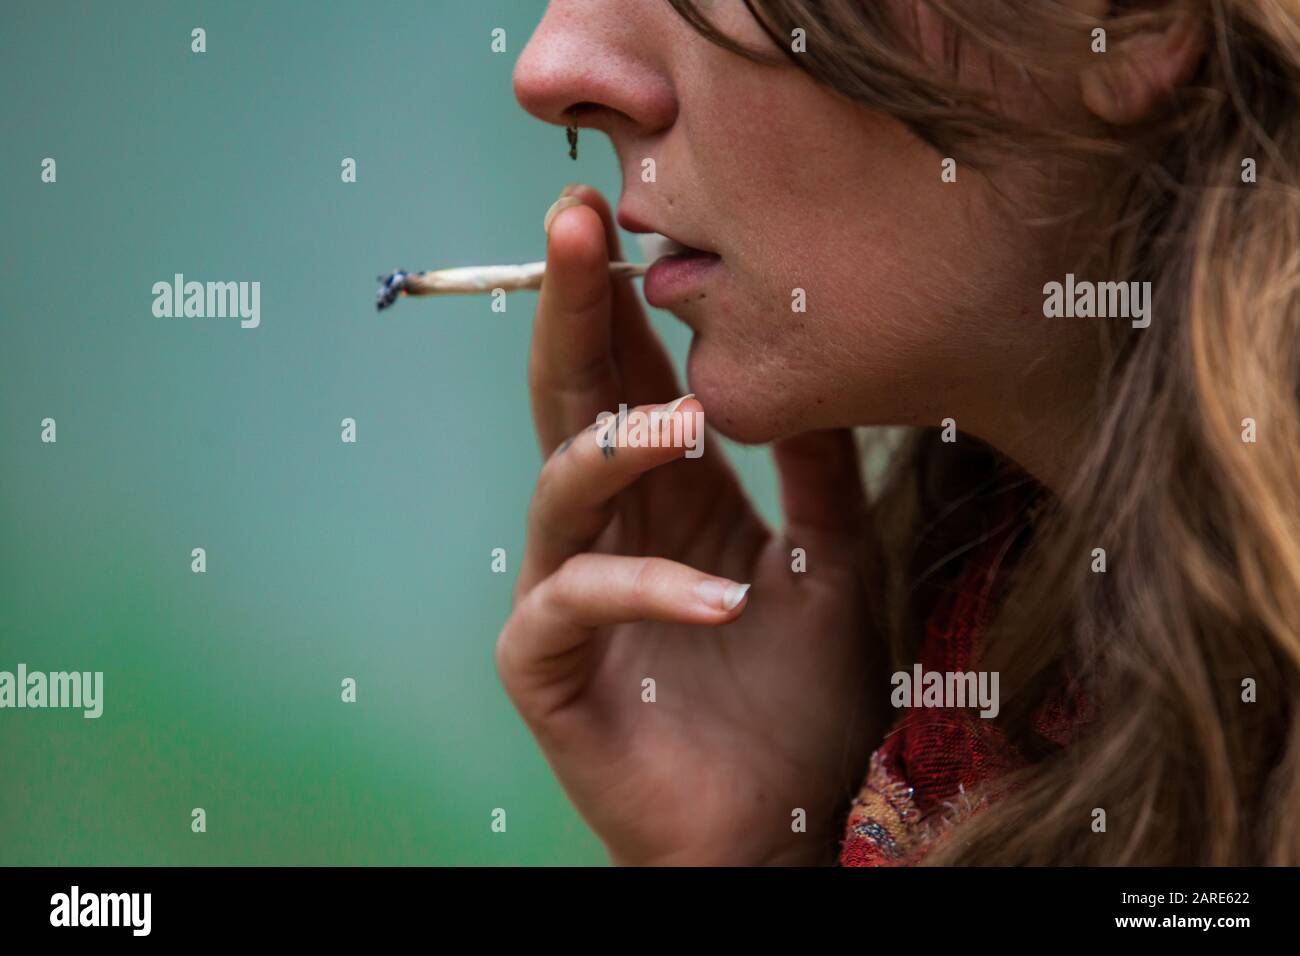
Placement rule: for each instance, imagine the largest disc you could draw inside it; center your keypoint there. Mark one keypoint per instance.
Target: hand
(632, 570)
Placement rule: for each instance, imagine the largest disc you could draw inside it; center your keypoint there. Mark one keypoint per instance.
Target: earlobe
(1134, 78)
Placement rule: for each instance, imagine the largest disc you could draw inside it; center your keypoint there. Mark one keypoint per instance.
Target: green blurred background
(325, 560)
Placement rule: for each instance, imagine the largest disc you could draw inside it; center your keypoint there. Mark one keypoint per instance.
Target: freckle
(821, 401)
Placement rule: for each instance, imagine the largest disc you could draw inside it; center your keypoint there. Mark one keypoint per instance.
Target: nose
(594, 63)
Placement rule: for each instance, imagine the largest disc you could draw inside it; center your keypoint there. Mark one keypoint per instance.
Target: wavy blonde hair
(1201, 527)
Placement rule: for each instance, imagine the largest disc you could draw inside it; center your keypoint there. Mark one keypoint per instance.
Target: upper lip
(633, 223)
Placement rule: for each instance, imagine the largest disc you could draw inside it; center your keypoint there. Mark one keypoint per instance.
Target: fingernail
(724, 595)
(564, 202)
(569, 189)
(676, 403)
(735, 594)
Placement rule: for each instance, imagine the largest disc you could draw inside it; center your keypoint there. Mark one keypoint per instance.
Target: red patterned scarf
(933, 769)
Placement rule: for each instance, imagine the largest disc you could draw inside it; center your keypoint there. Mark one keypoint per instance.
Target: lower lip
(673, 278)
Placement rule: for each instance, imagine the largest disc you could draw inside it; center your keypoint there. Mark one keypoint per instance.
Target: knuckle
(552, 595)
(503, 654)
(563, 583)
(545, 483)
(545, 526)
(511, 651)
(644, 580)
(499, 652)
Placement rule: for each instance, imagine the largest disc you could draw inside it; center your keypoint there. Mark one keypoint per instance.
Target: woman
(1060, 242)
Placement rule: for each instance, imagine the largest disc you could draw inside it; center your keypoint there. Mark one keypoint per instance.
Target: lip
(671, 278)
(633, 223)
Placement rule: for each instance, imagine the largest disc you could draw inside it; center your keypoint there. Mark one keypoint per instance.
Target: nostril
(577, 111)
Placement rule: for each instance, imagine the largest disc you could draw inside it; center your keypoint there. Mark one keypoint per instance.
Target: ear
(1134, 78)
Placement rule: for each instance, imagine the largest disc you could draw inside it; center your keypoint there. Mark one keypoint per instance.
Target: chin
(744, 406)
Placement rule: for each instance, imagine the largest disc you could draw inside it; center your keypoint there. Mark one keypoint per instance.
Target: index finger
(643, 364)
(571, 370)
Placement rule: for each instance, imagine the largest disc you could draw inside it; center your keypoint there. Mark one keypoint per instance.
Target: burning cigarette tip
(390, 287)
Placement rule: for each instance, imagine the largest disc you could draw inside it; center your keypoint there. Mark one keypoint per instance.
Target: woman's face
(922, 301)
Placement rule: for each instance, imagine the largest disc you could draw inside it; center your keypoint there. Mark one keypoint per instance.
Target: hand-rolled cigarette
(469, 280)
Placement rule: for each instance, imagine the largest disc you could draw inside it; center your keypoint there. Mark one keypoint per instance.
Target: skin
(924, 302)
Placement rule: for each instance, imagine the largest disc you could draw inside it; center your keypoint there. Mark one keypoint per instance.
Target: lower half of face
(854, 282)
(778, 352)
(852, 285)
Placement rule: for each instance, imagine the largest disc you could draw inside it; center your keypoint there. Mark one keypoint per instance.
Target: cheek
(901, 274)
(845, 205)
(863, 339)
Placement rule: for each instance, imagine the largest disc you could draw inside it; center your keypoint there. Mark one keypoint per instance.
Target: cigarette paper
(472, 280)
